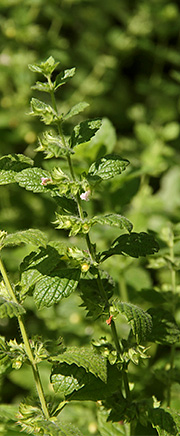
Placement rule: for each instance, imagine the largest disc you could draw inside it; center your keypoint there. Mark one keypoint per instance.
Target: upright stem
(26, 344)
(173, 347)
(91, 248)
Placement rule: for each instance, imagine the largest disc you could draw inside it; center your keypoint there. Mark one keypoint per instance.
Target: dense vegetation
(127, 60)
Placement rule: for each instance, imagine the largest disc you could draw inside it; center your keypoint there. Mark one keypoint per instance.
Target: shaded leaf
(10, 308)
(165, 330)
(166, 421)
(86, 358)
(141, 321)
(107, 167)
(74, 383)
(91, 297)
(134, 245)
(12, 164)
(52, 277)
(84, 131)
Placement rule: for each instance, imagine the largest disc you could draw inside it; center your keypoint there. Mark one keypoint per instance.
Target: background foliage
(127, 59)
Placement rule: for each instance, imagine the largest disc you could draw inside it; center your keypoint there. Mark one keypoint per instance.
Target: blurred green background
(127, 55)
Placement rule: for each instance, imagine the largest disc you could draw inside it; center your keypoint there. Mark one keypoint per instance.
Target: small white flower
(85, 195)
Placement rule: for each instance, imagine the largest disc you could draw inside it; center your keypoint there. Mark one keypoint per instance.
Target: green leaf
(74, 383)
(30, 236)
(59, 428)
(63, 77)
(91, 297)
(165, 330)
(86, 358)
(77, 225)
(52, 277)
(46, 68)
(134, 245)
(10, 308)
(166, 421)
(60, 284)
(40, 86)
(107, 428)
(113, 220)
(43, 110)
(32, 421)
(31, 179)
(84, 131)
(107, 167)
(8, 412)
(52, 146)
(141, 321)
(79, 107)
(12, 164)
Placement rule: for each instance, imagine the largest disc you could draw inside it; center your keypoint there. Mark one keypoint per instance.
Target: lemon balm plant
(54, 270)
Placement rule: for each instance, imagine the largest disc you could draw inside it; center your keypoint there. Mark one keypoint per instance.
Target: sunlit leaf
(140, 321)
(107, 167)
(11, 165)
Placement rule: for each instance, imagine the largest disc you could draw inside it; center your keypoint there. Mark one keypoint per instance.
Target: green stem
(173, 347)
(91, 247)
(26, 344)
(172, 356)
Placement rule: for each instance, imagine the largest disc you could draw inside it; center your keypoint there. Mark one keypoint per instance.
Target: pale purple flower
(85, 195)
(45, 180)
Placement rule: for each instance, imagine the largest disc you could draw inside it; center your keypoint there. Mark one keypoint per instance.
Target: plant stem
(91, 249)
(26, 344)
(173, 346)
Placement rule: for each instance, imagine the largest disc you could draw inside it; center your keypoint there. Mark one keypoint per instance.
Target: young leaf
(46, 68)
(30, 236)
(113, 220)
(43, 110)
(141, 321)
(56, 428)
(84, 131)
(79, 107)
(107, 167)
(10, 308)
(165, 330)
(52, 145)
(85, 358)
(12, 164)
(63, 77)
(135, 245)
(40, 86)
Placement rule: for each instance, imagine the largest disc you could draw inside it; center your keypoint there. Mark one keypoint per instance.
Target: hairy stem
(92, 250)
(26, 344)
